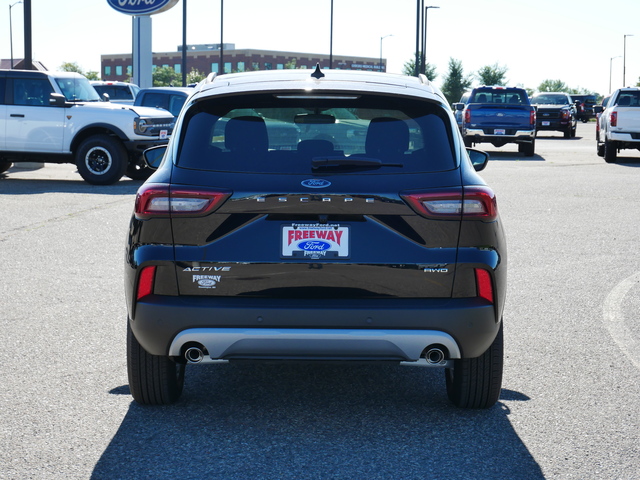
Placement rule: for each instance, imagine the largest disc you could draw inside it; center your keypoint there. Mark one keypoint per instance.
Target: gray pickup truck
(499, 115)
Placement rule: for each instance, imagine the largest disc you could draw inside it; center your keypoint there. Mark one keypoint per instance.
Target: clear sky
(569, 40)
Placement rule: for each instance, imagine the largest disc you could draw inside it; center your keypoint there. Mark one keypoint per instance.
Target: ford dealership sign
(142, 7)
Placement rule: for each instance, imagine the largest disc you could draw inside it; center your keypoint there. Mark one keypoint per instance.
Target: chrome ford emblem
(315, 183)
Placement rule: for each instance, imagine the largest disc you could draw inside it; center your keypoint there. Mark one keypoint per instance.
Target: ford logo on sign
(315, 183)
(141, 7)
(314, 246)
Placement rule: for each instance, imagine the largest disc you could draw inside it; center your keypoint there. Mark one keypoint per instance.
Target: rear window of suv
(294, 134)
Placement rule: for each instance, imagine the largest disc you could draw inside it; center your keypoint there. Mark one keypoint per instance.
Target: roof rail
(210, 78)
(423, 79)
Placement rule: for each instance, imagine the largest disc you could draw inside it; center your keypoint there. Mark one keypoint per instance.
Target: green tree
(553, 86)
(409, 68)
(166, 77)
(492, 75)
(455, 83)
(74, 67)
(71, 67)
(195, 76)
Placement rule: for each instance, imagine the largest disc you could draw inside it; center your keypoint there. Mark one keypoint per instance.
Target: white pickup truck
(57, 117)
(618, 124)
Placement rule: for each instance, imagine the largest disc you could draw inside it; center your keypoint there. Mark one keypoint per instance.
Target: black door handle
(17, 115)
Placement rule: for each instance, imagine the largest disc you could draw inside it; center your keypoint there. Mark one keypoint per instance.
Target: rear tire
(5, 165)
(476, 382)
(101, 160)
(153, 379)
(529, 149)
(610, 152)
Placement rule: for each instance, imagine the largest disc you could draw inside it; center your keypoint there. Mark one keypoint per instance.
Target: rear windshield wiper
(318, 163)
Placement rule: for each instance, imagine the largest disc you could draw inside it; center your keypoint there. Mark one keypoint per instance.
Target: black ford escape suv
(304, 215)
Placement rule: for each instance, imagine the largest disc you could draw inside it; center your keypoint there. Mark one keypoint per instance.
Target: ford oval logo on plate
(315, 183)
(314, 246)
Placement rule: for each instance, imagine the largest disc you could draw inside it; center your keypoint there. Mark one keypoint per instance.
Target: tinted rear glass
(550, 99)
(628, 99)
(267, 133)
(168, 101)
(502, 95)
(115, 92)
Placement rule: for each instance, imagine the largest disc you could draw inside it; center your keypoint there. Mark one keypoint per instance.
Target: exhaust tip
(194, 355)
(434, 355)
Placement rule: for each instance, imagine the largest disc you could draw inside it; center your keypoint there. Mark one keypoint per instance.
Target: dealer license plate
(499, 131)
(315, 241)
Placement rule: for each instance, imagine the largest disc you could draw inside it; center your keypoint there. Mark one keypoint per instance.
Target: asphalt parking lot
(571, 392)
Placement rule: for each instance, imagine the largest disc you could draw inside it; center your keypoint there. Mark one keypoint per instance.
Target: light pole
(184, 43)
(331, 39)
(11, 32)
(382, 38)
(221, 66)
(418, 29)
(423, 67)
(624, 59)
(610, 63)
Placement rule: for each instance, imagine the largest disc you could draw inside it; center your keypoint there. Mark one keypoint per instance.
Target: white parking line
(614, 319)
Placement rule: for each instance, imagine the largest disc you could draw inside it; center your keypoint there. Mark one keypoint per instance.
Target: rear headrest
(387, 136)
(246, 134)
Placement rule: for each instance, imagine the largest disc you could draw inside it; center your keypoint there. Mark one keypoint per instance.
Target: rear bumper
(632, 138)
(339, 329)
(316, 344)
(556, 125)
(478, 136)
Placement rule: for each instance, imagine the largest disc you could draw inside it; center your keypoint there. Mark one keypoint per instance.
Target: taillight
(145, 282)
(484, 286)
(162, 200)
(532, 117)
(476, 202)
(467, 116)
(613, 119)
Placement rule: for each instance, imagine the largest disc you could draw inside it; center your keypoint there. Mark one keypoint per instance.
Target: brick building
(206, 59)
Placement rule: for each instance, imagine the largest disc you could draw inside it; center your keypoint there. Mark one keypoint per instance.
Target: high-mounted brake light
(146, 281)
(476, 202)
(161, 200)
